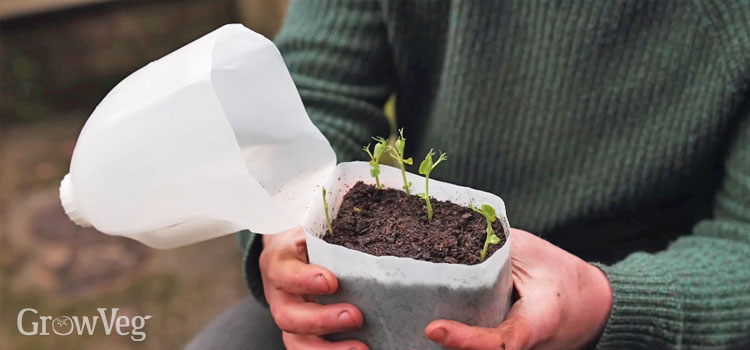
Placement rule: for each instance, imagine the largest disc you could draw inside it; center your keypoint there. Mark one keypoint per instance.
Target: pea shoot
(489, 214)
(328, 217)
(425, 168)
(398, 153)
(375, 155)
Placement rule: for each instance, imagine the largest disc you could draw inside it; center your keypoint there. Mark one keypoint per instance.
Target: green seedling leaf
(489, 213)
(494, 239)
(379, 148)
(400, 141)
(426, 165)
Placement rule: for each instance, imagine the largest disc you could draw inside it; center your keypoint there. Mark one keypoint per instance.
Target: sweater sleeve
(696, 293)
(340, 60)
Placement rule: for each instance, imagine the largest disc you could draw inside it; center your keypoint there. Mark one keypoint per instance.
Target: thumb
(512, 334)
(529, 323)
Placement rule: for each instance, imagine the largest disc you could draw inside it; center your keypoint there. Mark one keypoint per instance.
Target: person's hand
(563, 303)
(290, 282)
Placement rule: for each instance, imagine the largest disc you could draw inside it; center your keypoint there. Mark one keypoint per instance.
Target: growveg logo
(68, 325)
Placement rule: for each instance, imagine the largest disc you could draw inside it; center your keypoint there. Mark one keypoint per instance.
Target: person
(617, 134)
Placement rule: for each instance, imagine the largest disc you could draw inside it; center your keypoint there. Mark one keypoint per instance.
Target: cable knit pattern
(617, 130)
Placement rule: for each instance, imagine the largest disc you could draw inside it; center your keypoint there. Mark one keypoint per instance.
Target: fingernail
(439, 334)
(321, 284)
(346, 318)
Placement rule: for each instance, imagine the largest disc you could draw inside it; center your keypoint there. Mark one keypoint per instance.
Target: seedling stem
(489, 214)
(375, 155)
(328, 217)
(425, 168)
(398, 153)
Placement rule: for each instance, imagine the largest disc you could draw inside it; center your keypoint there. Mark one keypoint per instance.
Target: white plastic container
(398, 297)
(213, 139)
(208, 140)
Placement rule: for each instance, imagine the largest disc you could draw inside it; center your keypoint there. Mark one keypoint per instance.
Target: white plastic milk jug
(206, 141)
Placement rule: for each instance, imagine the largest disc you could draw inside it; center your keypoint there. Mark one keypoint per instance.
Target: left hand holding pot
(290, 283)
(564, 303)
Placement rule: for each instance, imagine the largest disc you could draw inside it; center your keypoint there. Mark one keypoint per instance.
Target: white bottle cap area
(67, 198)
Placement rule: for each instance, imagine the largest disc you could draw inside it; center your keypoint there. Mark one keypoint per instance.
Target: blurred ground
(49, 264)
(54, 68)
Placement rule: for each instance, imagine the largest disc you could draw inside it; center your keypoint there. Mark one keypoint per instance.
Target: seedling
(425, 168)
(375, 155)
(398, 153)
(328, 217)
(489, 213)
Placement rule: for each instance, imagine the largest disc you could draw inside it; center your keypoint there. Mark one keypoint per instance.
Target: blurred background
(58, 58)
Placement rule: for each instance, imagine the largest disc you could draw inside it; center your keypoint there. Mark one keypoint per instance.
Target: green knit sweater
(617, 130)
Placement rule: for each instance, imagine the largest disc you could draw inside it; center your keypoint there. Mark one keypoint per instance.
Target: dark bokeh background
(58, 58)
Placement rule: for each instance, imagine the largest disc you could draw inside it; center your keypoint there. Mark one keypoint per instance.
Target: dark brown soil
(387, 222)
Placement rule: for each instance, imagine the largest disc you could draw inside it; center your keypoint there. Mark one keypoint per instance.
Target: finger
(513, 334)
(285, 271)
(294, 315)
(309, 342)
